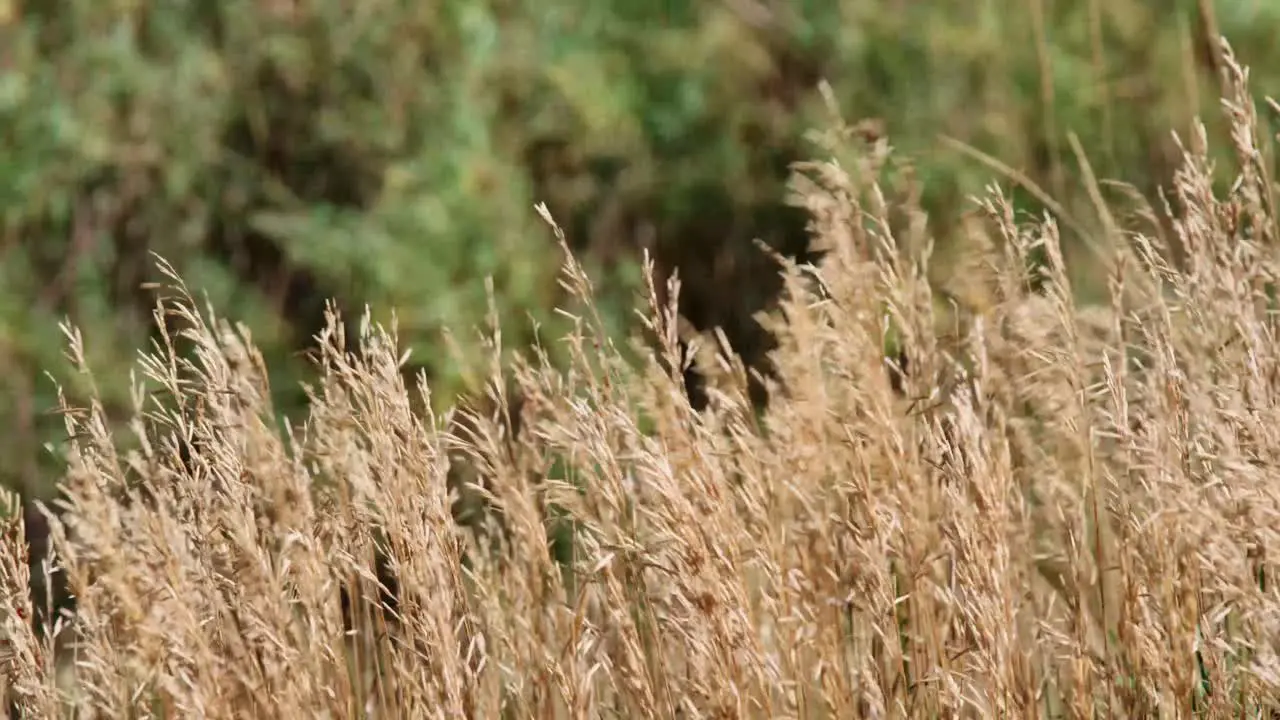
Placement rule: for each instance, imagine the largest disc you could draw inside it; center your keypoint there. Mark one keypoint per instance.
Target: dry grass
(1064, 512)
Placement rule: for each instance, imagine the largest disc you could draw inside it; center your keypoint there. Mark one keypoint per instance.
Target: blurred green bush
(389, 152)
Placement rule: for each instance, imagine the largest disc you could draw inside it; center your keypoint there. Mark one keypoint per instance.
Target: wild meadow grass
(1037, 508)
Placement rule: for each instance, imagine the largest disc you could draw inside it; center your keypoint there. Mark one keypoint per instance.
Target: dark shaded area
(387, 587)
(48, 603)
(287, 150)
(726, 283)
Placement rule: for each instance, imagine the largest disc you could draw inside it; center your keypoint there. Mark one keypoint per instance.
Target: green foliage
(282, 152)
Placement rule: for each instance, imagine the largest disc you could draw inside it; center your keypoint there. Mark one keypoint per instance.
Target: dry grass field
(1054, 509)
